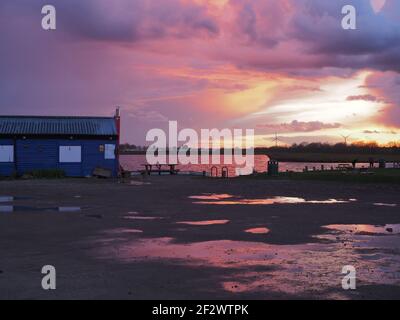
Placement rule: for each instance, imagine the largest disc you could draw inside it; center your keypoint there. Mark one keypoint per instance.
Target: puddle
(379, 204)
(6, 209)
(204, 223)
(69, 209)
(123, 231)
(212, 196)
(142, 218)
(365, 229)
(11, 209)
(181, 229)
(274, 200)
(6, 199)
(138, 183)
(257, 230)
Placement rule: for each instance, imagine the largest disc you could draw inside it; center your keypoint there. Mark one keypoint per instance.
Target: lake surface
(136, 162)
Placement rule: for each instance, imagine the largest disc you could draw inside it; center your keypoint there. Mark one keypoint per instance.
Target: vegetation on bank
(323, 152)
(285, 156)
(351, 176)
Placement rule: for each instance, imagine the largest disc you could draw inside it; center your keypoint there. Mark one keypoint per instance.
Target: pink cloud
(298, 126)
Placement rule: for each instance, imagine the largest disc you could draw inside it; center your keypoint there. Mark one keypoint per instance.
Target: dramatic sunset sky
(282, 66)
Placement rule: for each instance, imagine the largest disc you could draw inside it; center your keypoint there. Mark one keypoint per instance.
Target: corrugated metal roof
(91, 126)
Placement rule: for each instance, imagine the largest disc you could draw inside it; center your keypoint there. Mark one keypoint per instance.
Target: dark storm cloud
(126, 20)
(374, 44)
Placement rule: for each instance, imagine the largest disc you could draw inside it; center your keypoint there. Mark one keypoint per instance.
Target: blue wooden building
(75, 145)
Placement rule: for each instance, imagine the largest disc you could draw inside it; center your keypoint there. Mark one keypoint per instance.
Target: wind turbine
(346, 138)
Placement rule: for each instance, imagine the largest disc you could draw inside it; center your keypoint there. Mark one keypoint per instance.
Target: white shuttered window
(109, 152)
(6, 153)
(70, 154)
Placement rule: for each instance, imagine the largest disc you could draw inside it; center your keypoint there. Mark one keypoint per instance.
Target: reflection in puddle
(6, 209)
(138, 183)
(204, 223)
(274, 200)
(379, 204)
(216, 253)
(257, 230)
(365, 229)
(69, 209)
(141, 218)
(313, 268)
(181, 229)
(212, 196)
(11, 209)
(122, 231)
(6, 199)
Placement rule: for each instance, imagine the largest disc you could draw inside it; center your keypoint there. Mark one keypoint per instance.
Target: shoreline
(313, 157)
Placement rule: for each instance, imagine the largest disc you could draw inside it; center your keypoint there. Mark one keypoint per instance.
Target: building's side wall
(7, 168)
(92, 157)
(43, 154)
(34, 154)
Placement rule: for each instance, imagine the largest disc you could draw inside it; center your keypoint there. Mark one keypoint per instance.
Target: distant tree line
(317, 147)
(126, 147)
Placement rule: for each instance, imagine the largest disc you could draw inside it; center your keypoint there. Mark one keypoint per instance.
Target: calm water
(135, 162)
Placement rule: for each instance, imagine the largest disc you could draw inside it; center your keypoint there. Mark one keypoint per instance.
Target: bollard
(273, 168)
(214, 169)
(225, 173)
